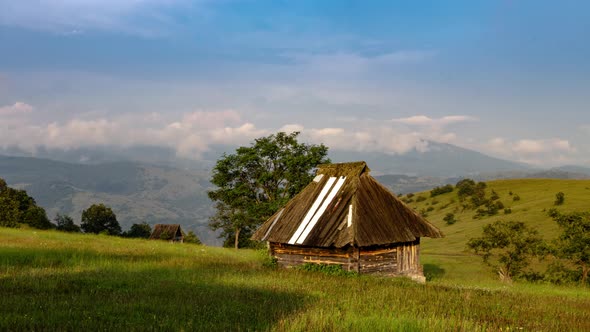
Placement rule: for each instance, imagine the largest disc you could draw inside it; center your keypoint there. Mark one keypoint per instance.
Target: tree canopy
(142, 231)
(17, 207)
(256, 181)
(65, 223)
(508, 246)
(573, 244)
(99, 218)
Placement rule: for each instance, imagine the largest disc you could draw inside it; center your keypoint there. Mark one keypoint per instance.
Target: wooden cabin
(169, 232)
(345, 217)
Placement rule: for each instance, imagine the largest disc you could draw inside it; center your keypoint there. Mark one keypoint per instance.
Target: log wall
(392, 260)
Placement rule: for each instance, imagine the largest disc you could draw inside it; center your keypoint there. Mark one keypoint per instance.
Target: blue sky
(507, 78)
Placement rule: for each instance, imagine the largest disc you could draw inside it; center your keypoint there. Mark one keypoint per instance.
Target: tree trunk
(237, 240)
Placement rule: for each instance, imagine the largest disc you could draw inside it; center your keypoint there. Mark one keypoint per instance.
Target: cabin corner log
(398, 259)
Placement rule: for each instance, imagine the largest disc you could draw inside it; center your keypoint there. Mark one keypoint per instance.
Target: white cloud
(190, 134)
(16, 109)
(542, 152)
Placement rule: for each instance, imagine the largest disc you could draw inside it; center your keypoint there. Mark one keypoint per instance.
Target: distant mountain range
(137, 192)
(151, 184)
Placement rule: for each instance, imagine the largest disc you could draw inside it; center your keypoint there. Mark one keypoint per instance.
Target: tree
(465, 187)
(191, 237)
(508, 247)
(36, 217)
(17, 207)
(559, 198)
(573, 244)
(142, 231)
(65, 223)
(9, 212)
(256, 180)
(98, 218)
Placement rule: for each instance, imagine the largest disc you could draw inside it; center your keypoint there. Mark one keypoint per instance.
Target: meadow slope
(57, 281)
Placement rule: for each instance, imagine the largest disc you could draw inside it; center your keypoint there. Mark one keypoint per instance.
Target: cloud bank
(191, 134)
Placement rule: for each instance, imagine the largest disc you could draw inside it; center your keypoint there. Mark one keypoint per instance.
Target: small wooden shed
(170, 232)
(345, 217)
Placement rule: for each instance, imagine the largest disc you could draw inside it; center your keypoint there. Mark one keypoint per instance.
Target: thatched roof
(173, 230)
(343, 206)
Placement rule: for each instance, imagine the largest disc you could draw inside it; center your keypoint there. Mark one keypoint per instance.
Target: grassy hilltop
(51, 280)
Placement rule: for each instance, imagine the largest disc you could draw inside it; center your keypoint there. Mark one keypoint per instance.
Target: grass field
(56, 281)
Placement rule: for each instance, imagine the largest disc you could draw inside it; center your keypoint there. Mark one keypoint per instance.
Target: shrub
(559, 198)
(516, 198)
(450, 218)
(507, 211)
(441, 190)
(434, 202)
(430, 208)
(410, 195)
(494, 195)
(420, 199)
(465, 187)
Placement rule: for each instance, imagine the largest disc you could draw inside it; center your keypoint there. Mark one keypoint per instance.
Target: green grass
(57, 281)
(536, 197)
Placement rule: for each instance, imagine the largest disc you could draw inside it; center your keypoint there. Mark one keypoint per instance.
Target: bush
(507, 211)
(515, 198)
(420, 199)
(410, 195)
(465, 187)
(559, 198)
(441, 190)
(434, 202)
(450, 218)
(430, 208)
(494, 195)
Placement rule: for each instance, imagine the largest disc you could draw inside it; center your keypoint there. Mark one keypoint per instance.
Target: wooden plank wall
(289, 255)
(394, 259)
(378, 261)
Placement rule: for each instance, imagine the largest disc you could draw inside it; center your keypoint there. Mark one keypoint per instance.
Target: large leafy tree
(256, 180)
(99, 218)
(508, 246)
(17, 207)
(142, 231)
(573, 244)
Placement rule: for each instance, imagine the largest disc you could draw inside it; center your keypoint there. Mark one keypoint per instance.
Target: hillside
(536, 197)
(137, 192)
(56, 281)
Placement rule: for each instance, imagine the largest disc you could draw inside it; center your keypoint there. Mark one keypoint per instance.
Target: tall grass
(56, 281)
